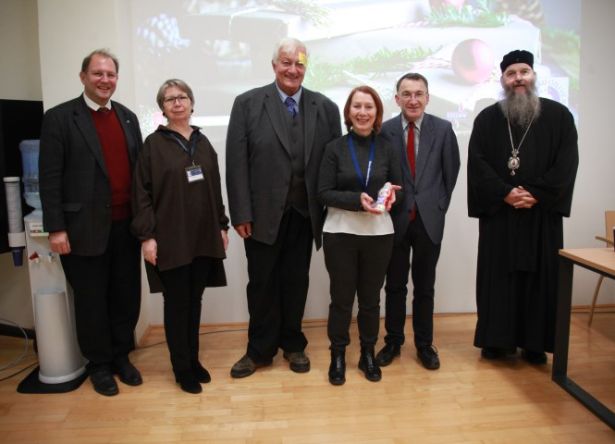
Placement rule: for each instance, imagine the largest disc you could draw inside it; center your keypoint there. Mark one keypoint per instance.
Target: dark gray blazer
(73, 182)
(258, 162)
(437, 168)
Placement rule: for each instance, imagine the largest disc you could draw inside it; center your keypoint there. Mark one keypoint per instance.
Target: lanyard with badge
(194, 172)
(372, 148)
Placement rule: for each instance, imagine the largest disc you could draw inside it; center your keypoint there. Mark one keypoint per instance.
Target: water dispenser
(61, 366)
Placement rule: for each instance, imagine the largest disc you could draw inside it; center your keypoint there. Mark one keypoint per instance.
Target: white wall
(68, 29)
(595, 186)
(20, 72)
(20, 79)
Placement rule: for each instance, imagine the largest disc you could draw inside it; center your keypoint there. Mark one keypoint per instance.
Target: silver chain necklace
(513, 161)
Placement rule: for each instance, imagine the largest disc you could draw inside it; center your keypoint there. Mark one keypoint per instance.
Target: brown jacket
(184, 218)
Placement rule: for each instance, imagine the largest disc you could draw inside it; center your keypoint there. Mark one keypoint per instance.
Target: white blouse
(360, 223)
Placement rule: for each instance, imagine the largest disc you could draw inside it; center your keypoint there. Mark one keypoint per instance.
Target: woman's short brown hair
(379, 108)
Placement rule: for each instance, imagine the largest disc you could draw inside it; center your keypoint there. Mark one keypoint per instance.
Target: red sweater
(113, 144)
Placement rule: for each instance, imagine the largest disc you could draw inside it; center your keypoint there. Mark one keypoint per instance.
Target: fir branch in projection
(322, 75)
(483, 15)
(309, 10)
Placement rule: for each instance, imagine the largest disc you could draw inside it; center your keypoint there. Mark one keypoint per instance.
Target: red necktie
(410, 149)
(411, 161)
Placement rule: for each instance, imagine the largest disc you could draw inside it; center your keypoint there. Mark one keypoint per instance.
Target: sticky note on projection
(303, 58)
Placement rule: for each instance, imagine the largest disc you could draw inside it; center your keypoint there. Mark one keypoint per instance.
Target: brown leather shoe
(246, 366)
(299, 362)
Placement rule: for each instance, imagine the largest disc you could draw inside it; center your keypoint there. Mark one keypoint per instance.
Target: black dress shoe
(337, 369)
(428, 357)
(104, 383)
(246, 366)
(387, 353)
(497, 352)
(188, 382)
(127, 373)
(298, 361)
(200, 372)
(367, 363)
(534, 357)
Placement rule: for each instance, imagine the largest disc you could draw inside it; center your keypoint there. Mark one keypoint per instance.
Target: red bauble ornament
(473, 61)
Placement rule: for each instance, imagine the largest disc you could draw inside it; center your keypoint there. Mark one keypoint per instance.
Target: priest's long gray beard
(521, 108)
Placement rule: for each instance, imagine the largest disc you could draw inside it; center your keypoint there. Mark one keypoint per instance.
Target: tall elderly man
(522, 164)
(89, 147)
(430, 153)
(275, 142)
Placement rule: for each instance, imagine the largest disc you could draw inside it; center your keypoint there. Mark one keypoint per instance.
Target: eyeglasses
(171, 100)
(416, 95)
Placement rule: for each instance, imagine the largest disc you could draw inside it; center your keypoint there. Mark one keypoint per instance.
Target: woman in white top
(358, 233)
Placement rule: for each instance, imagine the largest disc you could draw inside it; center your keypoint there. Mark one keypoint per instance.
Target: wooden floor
(468, 400)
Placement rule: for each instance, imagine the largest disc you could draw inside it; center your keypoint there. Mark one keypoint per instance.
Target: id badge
(194, 173)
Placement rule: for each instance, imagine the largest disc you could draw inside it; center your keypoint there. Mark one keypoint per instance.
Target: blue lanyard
(355, 161)
(188, 149)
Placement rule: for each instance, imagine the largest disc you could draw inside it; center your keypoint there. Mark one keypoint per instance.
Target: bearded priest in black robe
(522, 164)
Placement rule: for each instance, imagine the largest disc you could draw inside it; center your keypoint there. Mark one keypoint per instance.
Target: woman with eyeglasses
(180, 219)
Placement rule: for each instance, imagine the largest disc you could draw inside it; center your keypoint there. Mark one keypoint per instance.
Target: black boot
(188, 382)
(368, 364)
(337, 369)
(200, 372)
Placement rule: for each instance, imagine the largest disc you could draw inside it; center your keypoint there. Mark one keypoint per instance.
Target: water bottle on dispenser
(29, 156)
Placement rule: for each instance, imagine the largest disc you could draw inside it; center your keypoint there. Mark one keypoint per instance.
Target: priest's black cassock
(516, 282)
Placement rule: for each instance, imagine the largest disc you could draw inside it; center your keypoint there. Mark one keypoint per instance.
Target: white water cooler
(54, 319)
(61, 365)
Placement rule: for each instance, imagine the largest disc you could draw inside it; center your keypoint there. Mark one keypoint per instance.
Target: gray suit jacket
(73, 181)
(437, 168)
(258, 162)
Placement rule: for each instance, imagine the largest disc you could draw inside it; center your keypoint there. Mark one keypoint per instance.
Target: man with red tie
(89, 146)
(431, 163)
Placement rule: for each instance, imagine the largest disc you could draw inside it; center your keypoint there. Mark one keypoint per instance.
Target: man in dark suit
(89, 146)
(430, 154)
(275, 141)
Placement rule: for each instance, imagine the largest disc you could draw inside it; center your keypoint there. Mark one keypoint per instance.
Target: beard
(521, 108)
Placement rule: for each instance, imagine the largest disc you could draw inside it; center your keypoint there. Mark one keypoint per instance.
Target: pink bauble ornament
(457, 4)
(473, 61)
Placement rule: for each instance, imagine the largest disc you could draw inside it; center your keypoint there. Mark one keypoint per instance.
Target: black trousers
(277, 289)
(183, 293)
(356, 265)
(107, 295)
(425, 256)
